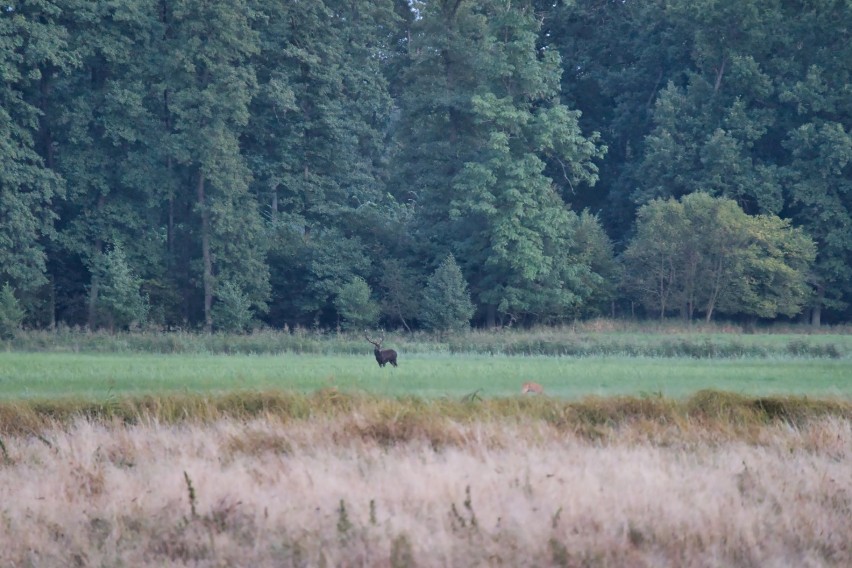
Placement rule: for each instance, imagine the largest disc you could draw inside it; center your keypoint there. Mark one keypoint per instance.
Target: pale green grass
(101, 376)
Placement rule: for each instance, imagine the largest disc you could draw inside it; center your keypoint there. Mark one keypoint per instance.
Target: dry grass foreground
(356, 481)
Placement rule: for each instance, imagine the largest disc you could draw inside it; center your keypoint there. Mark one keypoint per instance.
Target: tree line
(218, 165)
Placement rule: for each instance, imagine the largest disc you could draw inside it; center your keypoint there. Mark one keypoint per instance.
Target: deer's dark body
(385, 356)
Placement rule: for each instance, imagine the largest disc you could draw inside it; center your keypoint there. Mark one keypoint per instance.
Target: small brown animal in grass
(529, 387)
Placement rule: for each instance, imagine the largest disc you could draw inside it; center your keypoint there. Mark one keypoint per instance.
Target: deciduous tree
(704, 254)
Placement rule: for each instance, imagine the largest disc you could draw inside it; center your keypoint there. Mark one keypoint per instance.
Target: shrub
(232, 311)
(11, 313)
(355, 305)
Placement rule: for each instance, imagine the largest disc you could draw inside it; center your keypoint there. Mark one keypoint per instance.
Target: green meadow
(253, 456)
(29, 376)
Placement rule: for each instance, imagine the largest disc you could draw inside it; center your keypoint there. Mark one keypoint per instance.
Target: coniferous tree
(446, 304)
(121, 302)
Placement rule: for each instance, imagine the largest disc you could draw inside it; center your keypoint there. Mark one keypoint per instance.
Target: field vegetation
(311, 170)
(329, 478)
(598, 337)
(103, 376)
(655, 447)
(600, 358)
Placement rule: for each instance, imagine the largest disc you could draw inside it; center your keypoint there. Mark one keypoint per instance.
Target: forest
(224, 165)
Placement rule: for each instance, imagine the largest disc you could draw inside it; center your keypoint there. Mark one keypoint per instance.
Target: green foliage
(120, 300)
(821, 188)
(480, 122)
(290, 148)
(705, 254)
(33, 48)
(594, 249)
(232, 311)
(776, 266)
(446, 304)
(355, 305)
(401, 292)
(308, 271)
(11, 313)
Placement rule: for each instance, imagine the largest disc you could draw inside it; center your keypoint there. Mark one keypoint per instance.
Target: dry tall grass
(379, 485)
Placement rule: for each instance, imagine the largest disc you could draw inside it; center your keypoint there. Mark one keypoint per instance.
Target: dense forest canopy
(216, 165)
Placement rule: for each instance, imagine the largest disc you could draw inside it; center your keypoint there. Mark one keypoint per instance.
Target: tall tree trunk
(720, 72)
(205, 254)
(490, 316)
(93, 301)
(52, 300)
(662, 289)
(45, 87)
(94, 288)
(170, 231)
(716, 291)
(816, 311)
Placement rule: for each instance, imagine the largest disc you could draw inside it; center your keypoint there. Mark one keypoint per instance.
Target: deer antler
(379, 344)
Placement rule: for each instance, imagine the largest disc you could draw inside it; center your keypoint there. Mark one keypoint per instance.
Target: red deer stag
(382, 355)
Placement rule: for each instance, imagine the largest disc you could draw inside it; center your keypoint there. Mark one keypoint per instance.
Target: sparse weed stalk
(402, 555)
(468, 504)
(559, 553)
(344, 525)
(190, 489)
(458, 521)
(554, 520)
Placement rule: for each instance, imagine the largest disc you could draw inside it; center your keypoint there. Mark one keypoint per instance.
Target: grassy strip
(410, 418)
(610, 340)
(97, 376)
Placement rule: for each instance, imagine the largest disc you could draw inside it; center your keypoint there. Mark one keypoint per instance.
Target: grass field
(657, 450)
(100, 376)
